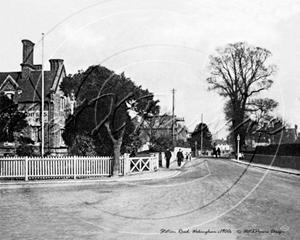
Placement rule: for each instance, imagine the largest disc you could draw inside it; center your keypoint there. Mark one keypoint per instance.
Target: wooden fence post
(126, 164)
(156, 162)
(75, 167)
(26, 168)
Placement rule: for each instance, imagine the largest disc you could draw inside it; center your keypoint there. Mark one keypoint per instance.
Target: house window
(34, 134)
(62, 103)
(10, 94)
(61, 140)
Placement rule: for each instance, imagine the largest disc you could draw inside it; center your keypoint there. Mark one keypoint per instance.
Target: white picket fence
(71, 167)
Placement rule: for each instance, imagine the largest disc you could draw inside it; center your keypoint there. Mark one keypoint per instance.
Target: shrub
(288, 149)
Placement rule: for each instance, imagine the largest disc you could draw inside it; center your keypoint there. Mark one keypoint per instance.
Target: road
(209, 199)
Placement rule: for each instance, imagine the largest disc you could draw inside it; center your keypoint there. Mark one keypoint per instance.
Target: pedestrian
(214, 152)
(190, 156)
(186, 156)
(179, 157)
(168, 156)
(219, 152)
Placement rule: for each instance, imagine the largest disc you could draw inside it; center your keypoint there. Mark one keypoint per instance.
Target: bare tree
(261, 108)
(238, 72)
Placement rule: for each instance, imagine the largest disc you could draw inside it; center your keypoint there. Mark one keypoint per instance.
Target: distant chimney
(28, 48)
(55, 64)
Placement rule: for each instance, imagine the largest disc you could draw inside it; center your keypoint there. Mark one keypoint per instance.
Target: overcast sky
(160, 44)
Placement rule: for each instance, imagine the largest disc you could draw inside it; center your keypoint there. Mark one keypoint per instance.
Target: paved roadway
(209, 199)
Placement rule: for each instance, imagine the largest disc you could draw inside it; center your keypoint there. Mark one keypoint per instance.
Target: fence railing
(71, 167)
(55, 167)
(140, 164)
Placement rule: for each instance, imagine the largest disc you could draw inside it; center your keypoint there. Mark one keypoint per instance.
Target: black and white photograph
(149, 119)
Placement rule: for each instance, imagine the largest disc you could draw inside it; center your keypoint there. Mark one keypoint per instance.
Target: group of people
(179, 155)
(216, 152)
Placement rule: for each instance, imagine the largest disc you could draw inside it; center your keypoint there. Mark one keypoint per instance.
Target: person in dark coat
(179, 157)
(214, 153)
(168, 156)
(219, 152)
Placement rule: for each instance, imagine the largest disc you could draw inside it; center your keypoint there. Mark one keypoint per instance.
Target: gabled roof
(9, 81)
(31, 87)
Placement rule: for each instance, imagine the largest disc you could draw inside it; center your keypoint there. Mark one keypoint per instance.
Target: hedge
(291, 162)
(288, 149)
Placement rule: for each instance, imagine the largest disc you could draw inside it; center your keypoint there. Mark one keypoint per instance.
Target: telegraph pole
(173, 116)
(42, 109)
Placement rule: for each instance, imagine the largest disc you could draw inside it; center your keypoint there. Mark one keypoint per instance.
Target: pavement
(161, 173)
(273, 168)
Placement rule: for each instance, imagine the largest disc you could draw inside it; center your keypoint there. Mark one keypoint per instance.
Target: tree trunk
(116, 159)
(117, 150)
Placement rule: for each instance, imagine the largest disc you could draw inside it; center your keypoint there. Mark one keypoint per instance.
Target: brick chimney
(55, 64)
(28, 48)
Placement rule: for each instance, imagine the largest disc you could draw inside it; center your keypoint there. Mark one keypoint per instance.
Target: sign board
(33, 118)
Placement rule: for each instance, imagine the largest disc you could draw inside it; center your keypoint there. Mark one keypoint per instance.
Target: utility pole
(173, 116)
(42, 103)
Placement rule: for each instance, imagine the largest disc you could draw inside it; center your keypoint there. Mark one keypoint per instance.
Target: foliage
(161, 143)
(282, 161)
(261, 108)
(203, 129)
(238, 72)
(11, 119)
(274, 131)
(101, 112)
(287, 149)
(83, 146)
(25, 150)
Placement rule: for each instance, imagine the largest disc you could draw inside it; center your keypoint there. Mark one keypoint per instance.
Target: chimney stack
(55, 64)
(28, 48)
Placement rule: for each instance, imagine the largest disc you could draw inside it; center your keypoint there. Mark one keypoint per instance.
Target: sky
(161, 45)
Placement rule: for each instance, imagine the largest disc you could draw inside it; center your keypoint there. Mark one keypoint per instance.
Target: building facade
(25, 88)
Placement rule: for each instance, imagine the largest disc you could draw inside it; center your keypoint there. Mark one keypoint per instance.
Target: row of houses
(287, 135)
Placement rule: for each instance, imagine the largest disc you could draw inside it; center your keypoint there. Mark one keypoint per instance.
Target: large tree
(101, 112)
(239, 72)
(12, 120)
(201, 136)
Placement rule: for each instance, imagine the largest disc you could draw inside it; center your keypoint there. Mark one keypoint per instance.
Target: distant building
(24, 87)
(161, 125)
(223, 145)
(290, 135)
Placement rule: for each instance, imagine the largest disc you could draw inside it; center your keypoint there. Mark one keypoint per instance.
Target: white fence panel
(140, 164)
(72, 167)
(54, 167)
(12, 167)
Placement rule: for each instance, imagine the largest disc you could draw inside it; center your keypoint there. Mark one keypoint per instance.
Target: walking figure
(179, 157)
(219, 152)
(168, 156)
(215, 152)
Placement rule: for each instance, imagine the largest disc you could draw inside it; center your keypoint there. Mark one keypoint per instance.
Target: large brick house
(24, 87)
